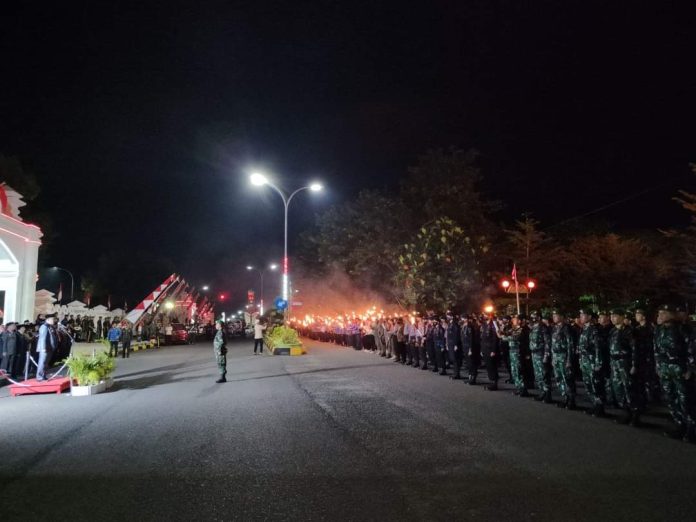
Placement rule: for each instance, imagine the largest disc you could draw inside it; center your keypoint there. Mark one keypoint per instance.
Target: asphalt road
(332, 435)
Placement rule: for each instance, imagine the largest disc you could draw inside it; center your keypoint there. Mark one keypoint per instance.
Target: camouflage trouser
(621, 383)
(516, 368)
(674, 387)
(564, 376)
(541, 379)
(221, 360)
(594, 381)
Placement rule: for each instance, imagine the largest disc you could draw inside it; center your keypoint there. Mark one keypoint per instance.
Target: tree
(613, 269)
(534, 253)
(22, 180)
(441, 267)
(359, 237)
(685, 243)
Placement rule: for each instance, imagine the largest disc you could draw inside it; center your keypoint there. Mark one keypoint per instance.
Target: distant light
(206, 287)
(488, 309)
(249, 267)
(316, 187)
(239, 312)
(531, 284)
(273, 266)
(506, 283)
(222, 297)
(258, 179)
(169, 305)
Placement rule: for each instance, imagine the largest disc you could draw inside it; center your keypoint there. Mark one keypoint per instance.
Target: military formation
(623, 360)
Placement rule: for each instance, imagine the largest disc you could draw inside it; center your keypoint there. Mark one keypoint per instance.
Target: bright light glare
(169, 305)
(249, 267)
(316, 187)
(506, 283)
(206, 287)
(273, 266)
(258, 179)
(488, 309)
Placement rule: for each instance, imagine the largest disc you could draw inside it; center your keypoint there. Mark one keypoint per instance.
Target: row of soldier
(623, 363)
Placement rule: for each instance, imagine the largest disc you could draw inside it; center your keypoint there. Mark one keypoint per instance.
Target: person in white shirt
(259, 328)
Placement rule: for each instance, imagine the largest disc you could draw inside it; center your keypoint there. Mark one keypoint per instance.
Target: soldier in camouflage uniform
(540, 348)
(220, 350)
(591, 363)
(563, 350)
(604, 327)
(671, 357)
(689, 334)
(645, 380)
(516, 334)
(624, 364)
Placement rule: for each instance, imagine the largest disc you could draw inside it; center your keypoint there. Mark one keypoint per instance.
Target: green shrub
(282, 336)
(88, 370)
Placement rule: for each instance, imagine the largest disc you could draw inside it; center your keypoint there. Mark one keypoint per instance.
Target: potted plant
(283, 340)
(90, 375)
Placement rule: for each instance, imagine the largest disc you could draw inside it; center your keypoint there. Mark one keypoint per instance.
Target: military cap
(680, 308)
(534, 314)
(557, 311)
(640, 310)
(617, 311)
(521, 317)
(585, 311)
(603, 312)
(667, 308)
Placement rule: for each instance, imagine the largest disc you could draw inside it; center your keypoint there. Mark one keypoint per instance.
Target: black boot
(591, 410)
(677, 432)
(635, 420)
(491, 387)
(221, 380)
(562, 404)
(539, 397)
(548, 399)
(690, 434)
(472, 380)
(524, 392)
(570, 405)
(625, 418)
(599, 411)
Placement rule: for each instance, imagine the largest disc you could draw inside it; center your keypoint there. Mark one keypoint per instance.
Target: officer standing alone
(220, 350)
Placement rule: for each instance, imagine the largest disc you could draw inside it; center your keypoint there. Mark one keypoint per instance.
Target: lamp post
(259, 180)
(72, 280)
(261, 272)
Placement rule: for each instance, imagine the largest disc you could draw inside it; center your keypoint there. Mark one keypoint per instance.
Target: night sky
(141, 121)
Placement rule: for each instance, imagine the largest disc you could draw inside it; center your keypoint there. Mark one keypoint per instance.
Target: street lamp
(259, 180)
(261, 272)
(206, 288)
(72, 280)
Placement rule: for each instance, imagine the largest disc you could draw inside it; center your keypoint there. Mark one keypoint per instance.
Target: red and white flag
(108, 302)
(60, 293)
(514, 272)
(88, 299)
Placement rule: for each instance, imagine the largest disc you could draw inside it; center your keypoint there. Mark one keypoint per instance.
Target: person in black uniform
(454, 346)
(490, 349)
(439, 332)
(471, 347)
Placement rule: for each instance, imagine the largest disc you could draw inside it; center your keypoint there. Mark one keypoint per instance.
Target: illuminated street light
(505, 284)
(258, 180)
(169, 305)
(206, 287)
(272, 266)
(72, 279)
(531, 285)
(488, 309)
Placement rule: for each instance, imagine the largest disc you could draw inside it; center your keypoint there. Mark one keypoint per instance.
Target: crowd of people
(623, 360)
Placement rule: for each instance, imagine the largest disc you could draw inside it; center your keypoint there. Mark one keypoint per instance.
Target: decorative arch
(6, 254)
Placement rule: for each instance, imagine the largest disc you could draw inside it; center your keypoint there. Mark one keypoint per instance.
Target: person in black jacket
(490, 349)
(454, 346)
(439, 345)
(12, 349)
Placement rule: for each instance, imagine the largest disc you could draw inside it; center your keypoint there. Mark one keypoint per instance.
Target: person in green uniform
(516, 334)
(624, 363)
(671, 358)
(220, 350)
(562, 351)
(591, 363)
(540, 348)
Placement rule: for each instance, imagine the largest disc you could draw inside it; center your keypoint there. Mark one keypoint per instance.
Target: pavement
(332, 435)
